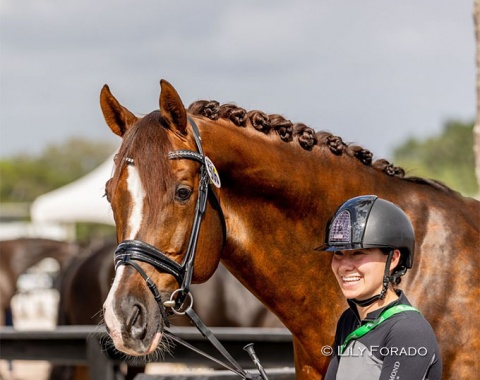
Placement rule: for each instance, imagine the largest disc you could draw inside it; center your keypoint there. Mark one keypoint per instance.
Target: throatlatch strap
(362, 330)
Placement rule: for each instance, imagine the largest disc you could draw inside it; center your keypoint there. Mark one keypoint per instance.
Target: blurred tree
(25, 177)
(88, 232)
(448, 158)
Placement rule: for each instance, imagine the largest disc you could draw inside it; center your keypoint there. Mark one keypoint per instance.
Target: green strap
(362, 330)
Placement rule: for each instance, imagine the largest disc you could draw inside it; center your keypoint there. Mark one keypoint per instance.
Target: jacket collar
(373, 315)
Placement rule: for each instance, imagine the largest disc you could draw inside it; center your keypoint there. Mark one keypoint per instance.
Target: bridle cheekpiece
(130, 251)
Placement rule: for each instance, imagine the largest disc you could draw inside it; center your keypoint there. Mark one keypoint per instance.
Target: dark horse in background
(17, 255)
(280, 183)
(84, 285)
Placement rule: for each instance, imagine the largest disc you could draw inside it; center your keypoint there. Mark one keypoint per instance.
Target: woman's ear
(395, 259)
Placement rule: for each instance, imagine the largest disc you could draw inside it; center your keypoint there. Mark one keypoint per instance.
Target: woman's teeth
(351, 278)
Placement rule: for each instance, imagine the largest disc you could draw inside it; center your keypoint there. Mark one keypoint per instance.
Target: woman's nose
(346, 263)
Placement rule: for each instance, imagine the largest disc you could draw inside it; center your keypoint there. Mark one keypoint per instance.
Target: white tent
(79, 201)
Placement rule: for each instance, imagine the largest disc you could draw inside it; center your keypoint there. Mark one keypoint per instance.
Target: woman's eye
(183, 193)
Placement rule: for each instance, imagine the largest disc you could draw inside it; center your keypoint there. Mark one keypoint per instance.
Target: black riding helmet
(371, 222)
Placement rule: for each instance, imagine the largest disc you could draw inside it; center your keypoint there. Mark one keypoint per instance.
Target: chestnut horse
(280, 183)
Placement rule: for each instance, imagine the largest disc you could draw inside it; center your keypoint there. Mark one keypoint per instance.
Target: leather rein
(130, 251)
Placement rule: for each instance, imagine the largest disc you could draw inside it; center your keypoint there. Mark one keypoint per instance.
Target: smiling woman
(373, 246)
(360, 273)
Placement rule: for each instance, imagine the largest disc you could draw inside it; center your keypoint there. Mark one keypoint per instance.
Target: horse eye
(183, 193)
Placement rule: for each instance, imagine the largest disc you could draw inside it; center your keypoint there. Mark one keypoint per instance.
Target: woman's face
(360, 272)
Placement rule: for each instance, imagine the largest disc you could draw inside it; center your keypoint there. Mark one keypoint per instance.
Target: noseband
(130, 251)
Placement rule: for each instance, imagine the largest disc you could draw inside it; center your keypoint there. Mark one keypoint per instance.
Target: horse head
(166, 223)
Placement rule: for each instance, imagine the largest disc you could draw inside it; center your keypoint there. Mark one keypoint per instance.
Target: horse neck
(262, 174)
(277, 199)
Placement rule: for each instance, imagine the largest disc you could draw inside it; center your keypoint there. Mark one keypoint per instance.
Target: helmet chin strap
(386, 279)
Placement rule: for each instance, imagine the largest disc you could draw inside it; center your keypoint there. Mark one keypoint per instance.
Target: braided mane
(301, 134)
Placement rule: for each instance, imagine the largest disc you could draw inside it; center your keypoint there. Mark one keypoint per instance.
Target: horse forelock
(303, 135)
(146, 145)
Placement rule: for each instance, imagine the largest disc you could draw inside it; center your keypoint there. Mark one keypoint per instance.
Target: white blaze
(137, 194)
(110, 318)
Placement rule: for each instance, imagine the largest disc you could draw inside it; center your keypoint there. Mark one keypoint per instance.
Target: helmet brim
(349, 247)
(342, 247)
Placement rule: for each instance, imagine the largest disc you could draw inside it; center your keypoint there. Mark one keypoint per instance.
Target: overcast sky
(374, 72)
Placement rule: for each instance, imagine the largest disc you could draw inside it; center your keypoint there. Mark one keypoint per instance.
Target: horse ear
(172, 109)
(118, 118)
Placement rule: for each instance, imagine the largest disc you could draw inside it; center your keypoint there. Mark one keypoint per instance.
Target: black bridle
(129, 251)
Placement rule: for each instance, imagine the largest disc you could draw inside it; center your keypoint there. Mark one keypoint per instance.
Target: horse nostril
(132, 319)
(136, 322)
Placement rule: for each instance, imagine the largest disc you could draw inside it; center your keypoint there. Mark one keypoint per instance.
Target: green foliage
(25, 177)
(448, 158)
(86, 232)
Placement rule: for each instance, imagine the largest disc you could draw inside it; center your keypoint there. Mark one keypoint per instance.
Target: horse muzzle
(132, 318)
